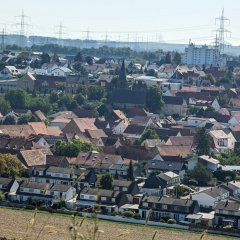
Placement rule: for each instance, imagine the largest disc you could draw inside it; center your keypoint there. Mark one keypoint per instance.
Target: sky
(171, 21)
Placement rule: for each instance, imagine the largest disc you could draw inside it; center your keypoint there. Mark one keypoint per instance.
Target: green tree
(106, 181)
(168, 58)
(130, 172)
(201, 174)
(40, 103)
(24, 119)
(9, 120)
(89, 60)
(78, 57)
(203, 142)
(73, 148)
(67, 101)
(45, 58)
(223, 100)
(5, 106)
(53, 98)
(82, 89)
(149, 134)
(95, 93)
(17, 98)
(177, 59)
(180, 191)
(154, 100)
(151, 72)
(10, 166)
(80, 99)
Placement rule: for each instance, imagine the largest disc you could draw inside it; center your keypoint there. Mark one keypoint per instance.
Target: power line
(222, 31)
(60, 34)
(22, 25)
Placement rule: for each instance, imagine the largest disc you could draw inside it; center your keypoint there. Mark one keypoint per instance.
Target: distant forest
(101, 52)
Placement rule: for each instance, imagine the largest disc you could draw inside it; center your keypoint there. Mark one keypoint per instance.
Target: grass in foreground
(13, 224)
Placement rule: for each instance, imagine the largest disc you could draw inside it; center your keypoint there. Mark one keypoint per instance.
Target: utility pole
(22, 25)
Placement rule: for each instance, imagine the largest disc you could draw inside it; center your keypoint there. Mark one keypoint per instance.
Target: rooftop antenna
(222, 31)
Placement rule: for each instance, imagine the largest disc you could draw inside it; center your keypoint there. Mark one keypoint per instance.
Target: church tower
(122, 77)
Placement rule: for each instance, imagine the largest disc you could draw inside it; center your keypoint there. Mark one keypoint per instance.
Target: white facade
(200, 55)
(208, 201)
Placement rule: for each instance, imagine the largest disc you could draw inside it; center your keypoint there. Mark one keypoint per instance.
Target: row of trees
(89, 97)
(73, 148)
(103, 52)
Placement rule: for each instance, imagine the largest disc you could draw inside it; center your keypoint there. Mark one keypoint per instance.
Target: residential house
(227, 213)
(129, 187)
(56, 175)
(80, 125)
(27, 82)
(181, 141)
(128, 98)
(32, 158)
(223, 140)
(174, 164)
(174, 106)
(233, 187)
(209, 197)
(8, 185)
(9, 72)
(134, 132)
(157, 185)
(43, 192)
(173, 208)
(209, 162)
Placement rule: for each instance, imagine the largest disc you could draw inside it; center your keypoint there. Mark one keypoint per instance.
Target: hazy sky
(161, 20)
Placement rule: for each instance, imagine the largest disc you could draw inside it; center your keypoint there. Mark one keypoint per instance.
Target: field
(13, 224)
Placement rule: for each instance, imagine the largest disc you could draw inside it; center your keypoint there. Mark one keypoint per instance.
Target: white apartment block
(200, 55)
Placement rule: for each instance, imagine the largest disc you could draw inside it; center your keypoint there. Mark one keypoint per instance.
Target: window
(82, 196)
(91, 197)
(164, 207)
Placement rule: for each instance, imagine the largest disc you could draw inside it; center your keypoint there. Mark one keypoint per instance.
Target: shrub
(137, 216)
(114, 213)
(59, 205)
(161, 220)
(2, 196)
(193, 182)
(31, 201)
(165, 218)
(171, 221)
(128, 214)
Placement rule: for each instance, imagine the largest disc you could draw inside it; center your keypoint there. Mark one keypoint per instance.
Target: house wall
(204, 200)
(88, 197)
(14, 187)
(120, 128)
(26, 83)
(170, 109)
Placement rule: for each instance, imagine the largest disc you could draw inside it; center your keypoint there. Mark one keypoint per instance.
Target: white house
(9, 72)
(120, 126)
(61, 71)
(8, 185)
(223, 140)
(47, 193)
(209, 197)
